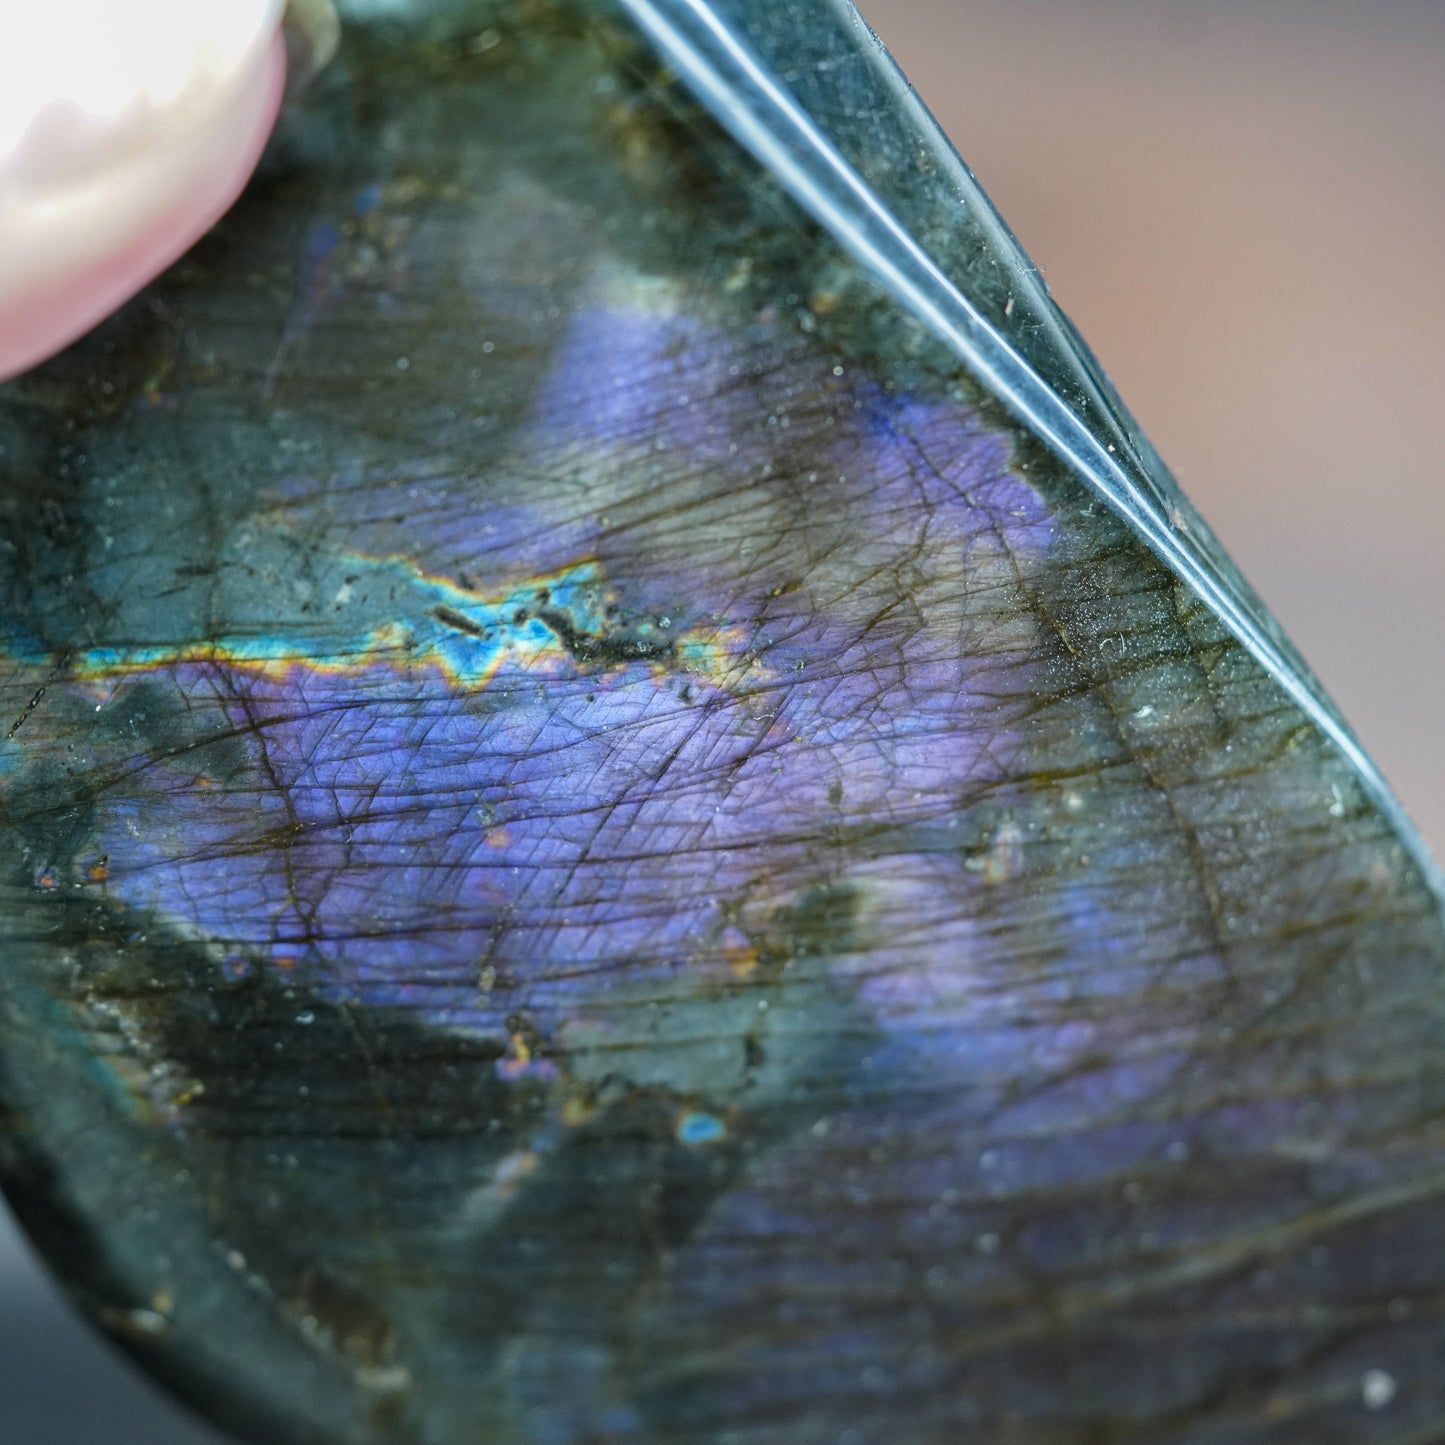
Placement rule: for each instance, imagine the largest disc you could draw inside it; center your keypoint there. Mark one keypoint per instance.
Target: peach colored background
(1242, 203)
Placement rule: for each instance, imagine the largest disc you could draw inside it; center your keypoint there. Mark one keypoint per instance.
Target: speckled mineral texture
(595, 849)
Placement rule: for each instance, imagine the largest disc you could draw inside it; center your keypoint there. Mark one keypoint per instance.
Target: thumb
(127, 127)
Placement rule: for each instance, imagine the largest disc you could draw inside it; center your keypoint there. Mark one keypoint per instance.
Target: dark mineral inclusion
(597, 848)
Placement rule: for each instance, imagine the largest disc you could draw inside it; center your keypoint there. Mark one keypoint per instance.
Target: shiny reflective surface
(583, 809)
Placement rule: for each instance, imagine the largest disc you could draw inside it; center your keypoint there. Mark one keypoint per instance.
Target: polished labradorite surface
(597, 846)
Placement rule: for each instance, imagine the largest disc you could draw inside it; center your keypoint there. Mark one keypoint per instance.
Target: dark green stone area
(595, 847)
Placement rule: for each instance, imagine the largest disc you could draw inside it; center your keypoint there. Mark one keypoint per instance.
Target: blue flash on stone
(698, 1128)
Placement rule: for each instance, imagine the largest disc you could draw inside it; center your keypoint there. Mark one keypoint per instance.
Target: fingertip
(97, 196)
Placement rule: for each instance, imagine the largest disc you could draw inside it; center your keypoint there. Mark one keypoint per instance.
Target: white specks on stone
(1377, 1389)
(1003, 858)
(147, 1322)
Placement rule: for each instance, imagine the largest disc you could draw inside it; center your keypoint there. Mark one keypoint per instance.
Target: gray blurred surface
(59, 1383)
(1241, 203)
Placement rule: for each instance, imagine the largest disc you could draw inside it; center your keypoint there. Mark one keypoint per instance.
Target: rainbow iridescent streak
(559, 622)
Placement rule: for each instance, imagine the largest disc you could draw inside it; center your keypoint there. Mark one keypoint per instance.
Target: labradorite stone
(594, 846)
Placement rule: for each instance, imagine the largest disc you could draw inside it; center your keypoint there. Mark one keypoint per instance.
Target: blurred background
(1242, 205)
